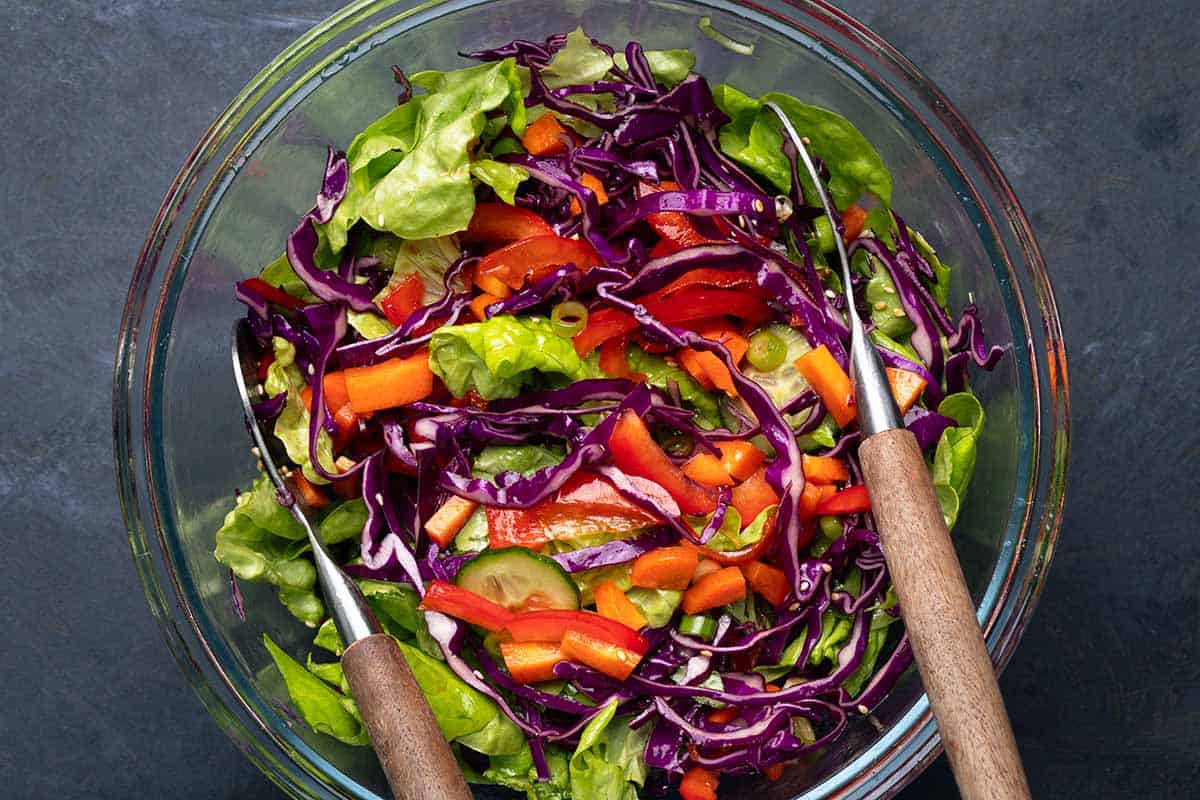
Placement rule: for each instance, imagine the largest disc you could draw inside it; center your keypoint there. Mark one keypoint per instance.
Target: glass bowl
(181, 448)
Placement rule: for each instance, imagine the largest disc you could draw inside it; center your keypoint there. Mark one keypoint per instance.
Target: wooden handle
(415, 756)
(940, 619)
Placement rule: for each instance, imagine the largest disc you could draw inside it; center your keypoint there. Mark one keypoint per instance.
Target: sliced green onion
(706, 27)
(825, 239)
(569, 318)
(699, 627)
(766, 351)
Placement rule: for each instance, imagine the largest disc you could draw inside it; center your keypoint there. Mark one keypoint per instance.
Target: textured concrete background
(1090, 109)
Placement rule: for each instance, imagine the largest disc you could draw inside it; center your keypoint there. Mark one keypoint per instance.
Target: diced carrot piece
(768, 581)
(615, 662)
(448, 520)
(753, 495)
(492, 284)
(831, 383)
(665, 568)
(310, 494)
(391, 383)
(592, 182)
(723, 716)
(544, 136)
(906, 387)
(531, 662)
(612, 603)
(853, 219)
(698, 784)
(774, 772)
(694, 363)
(721, 587)
(824, 469)
(482, 302)
(707, 469)
(741, 459)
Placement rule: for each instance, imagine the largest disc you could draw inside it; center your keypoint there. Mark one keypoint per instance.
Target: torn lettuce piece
(322, 707)
(504, 355)
(661, 373)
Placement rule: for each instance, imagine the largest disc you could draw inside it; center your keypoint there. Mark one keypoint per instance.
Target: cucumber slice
(519, 579)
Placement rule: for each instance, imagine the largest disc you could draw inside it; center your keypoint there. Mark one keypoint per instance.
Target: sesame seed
(881, 306)
(706, 653)
(897, 312)
(830, 293)
(826, 568)
(758, 206)
(311, 370)
(889, 289)
(862, 709)
(836, 596)
(805, 140)
(379, 498)
(804, 586)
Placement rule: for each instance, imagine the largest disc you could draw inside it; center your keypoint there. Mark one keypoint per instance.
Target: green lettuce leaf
(753, 137)
(578, 62)
(656, 605)
(343, 521)
(518, 773)
(279, 273)
(291, 426)
(260, 541)
(880, 621)
(464, 714)
(731, 535)
(886, 310)
(660, 373)
(411, 169)
(669, 67)
(941, 273)
(503, 355)
(503, 178)
(954, 458)
(607, 763)
(369, 325)
(522, 458)
(324, 709)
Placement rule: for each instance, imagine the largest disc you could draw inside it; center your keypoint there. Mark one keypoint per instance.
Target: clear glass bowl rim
(878, 772)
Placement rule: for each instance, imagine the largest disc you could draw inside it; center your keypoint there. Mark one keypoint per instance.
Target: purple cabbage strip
(620, 551)
(302, 243)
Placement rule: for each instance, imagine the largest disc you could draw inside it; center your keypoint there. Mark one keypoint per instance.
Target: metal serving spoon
(415, 756)
(937, 609)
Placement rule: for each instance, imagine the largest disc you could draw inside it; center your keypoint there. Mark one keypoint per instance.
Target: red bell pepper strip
(753, 495)
(467, 606)
(854, 500)
(500, 223)
(536, 257)
(634, 450)
(675, 227)
(552, 626)
(264, 365)
(614, 360)
(602, 325)
(713, 278)
(404, 299)
(273, 294)
(585, 504)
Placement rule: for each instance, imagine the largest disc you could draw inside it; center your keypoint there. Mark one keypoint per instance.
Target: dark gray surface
(1090, 110)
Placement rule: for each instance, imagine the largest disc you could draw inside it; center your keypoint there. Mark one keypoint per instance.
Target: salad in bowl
(559, 359)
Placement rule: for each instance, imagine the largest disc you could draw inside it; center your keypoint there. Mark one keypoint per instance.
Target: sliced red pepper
(675, 227)
(585, 504)
(713, 278)
(501, 223)
(854, 500)
(853, 220)
(273, 294)
(636, 453)
(552, 626)
(536, 257)
(614, 360)
(404, 299)
(602, 325)
(264, 365)
(467, 606)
